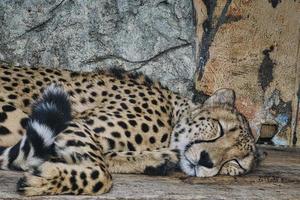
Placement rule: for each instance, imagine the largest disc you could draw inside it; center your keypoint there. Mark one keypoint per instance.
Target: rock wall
(252, 46)
(150, 36)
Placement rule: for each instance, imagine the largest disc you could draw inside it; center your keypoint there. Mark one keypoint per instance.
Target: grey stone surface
(150, 36)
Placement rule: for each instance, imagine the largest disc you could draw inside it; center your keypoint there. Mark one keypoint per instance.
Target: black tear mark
(210, 31)
(265, 73)
(274, 3)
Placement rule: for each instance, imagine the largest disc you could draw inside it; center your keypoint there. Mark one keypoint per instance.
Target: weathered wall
(251, 46)
(150, 36)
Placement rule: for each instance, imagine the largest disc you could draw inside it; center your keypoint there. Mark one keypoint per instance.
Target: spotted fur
(119, 122)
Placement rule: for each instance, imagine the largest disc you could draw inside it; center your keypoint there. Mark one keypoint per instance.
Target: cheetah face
(214, 136)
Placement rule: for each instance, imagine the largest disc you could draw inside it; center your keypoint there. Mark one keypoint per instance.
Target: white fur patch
(48, 106)
(20, 161)
(54, 89)
(44, 131)
(4, 159)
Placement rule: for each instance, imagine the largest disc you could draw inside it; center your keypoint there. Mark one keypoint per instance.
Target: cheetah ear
(221, 96)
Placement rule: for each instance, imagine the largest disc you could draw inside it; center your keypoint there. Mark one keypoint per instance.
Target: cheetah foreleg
(158, 162)
(59, 178)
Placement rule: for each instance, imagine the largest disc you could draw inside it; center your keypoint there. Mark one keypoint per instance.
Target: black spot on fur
(6, 79)
(8, 108)
(152, 140)
(130, 116)
(116, 134)
(3, 116)
(4, 130)
(132, 122)
(90, 122)
(145, 127)
(103, 118)
(122, 124)
(39, 83)
(111, 143)
(93, 94)
(24, 122)
(164, 138)
(160, 123)
(124, 106)
(8, 88)
(26, 102)
(97, 187)
(110, 124)
(130, 146)
(99, 129)
(155, 129)
(138, 139)
(74, 187)
(73, 125)
(12, 96)
(127, 133)
(26, 90)
(137, 109)
(25, 81)
(147, 118)
(75, 143)
(82, 175)
(94, 174)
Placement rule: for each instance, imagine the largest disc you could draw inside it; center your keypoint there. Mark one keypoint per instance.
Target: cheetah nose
(205, 160)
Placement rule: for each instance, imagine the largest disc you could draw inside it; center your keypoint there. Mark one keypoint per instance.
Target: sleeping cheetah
(71, 130)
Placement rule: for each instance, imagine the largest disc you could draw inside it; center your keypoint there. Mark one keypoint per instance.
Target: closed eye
(233, 129)
(206, 141)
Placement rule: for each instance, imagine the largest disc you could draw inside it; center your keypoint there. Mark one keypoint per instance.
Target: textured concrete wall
(251, 46)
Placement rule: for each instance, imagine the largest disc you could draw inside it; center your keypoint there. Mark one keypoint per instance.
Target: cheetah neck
(182, 107)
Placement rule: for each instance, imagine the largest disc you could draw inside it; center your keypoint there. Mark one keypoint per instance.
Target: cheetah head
(213, 136)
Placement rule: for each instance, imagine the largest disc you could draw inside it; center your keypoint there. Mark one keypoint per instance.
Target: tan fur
(122, 123)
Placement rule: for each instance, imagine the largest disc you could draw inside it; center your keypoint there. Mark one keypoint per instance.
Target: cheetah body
(121, 123)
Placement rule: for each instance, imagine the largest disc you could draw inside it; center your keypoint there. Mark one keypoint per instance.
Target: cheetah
(69, 131)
